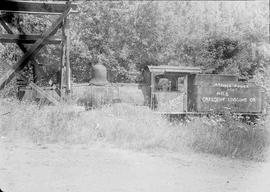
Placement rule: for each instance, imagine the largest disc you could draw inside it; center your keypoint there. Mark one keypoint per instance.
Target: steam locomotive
(174, 90)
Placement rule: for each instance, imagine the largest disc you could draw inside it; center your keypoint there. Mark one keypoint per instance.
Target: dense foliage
(221, 37)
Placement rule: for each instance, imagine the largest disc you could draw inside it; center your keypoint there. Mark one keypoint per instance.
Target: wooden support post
(185, 96)
(63, 58)
(65, 63)
(152, 88)
(68, 70)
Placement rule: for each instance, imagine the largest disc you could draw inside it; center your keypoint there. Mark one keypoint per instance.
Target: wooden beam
(34, 48)
(46, 7)
(63, 59)
(44, 93)
(26, 39)
(68, 69)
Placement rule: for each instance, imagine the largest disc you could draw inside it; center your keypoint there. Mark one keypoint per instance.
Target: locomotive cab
(167, 87)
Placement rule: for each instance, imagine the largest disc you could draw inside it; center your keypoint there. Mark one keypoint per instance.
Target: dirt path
(81, 168)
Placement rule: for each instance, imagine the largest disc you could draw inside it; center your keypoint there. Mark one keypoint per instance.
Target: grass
(227, 136)
(133, 127)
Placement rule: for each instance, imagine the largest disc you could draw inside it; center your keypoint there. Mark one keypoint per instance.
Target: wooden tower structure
(60, 8)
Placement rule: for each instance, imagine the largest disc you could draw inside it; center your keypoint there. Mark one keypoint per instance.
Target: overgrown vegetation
(127, 35)
(133, 127)
(228, 135)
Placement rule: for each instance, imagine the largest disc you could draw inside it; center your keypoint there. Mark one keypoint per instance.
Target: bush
(229, 136)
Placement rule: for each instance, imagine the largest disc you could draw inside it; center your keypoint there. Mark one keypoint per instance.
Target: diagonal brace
(34, 48)
(32, 85)
(22, 47)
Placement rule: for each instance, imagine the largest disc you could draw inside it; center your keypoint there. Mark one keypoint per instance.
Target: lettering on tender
(231, 85)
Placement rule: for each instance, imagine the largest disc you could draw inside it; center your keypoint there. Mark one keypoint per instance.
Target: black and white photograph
(134, 96)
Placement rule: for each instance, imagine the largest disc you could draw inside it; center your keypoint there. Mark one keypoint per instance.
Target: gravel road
(101, 168)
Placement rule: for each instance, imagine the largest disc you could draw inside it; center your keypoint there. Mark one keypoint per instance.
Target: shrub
(228, 136)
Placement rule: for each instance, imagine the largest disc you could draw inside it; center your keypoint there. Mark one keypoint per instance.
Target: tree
(127, 35)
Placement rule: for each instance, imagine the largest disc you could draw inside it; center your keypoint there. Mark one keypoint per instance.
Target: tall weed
(133, 127)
